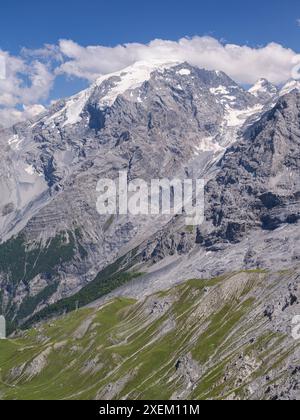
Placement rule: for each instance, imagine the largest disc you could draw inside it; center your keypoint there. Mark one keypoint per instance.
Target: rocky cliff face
(252, 204)
(258, 182)
(264, 91)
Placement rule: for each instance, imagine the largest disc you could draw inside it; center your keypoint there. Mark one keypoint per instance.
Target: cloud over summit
(31, 75)
(242, 63)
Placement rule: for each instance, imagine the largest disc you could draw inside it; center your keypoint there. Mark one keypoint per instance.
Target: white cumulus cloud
(25, 85)
(243, 63)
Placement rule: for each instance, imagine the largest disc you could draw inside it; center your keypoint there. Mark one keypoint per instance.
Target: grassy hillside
(201, 340)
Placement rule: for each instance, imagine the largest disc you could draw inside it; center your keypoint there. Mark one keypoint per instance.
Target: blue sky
(31, 24)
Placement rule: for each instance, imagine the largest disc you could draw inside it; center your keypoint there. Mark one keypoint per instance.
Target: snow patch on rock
(208, 144)
(220, 90)
(75, 106)
(15, 142)
(30, 170)
(289, 87)
(184, 72)
(237, 117)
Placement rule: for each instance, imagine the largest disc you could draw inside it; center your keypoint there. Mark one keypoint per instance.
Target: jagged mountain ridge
(264, 169)
(252, 201)
(179, 122)
(264, 90)
(180, 118)
(46, 163)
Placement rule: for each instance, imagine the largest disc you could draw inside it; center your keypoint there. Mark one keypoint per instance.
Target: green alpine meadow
(200, 340)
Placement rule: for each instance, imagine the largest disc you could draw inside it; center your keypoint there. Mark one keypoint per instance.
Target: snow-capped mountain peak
(264, 90)
(193, 113)
(289, 86)
(111, 85)
(233, 105)
(130, 78)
